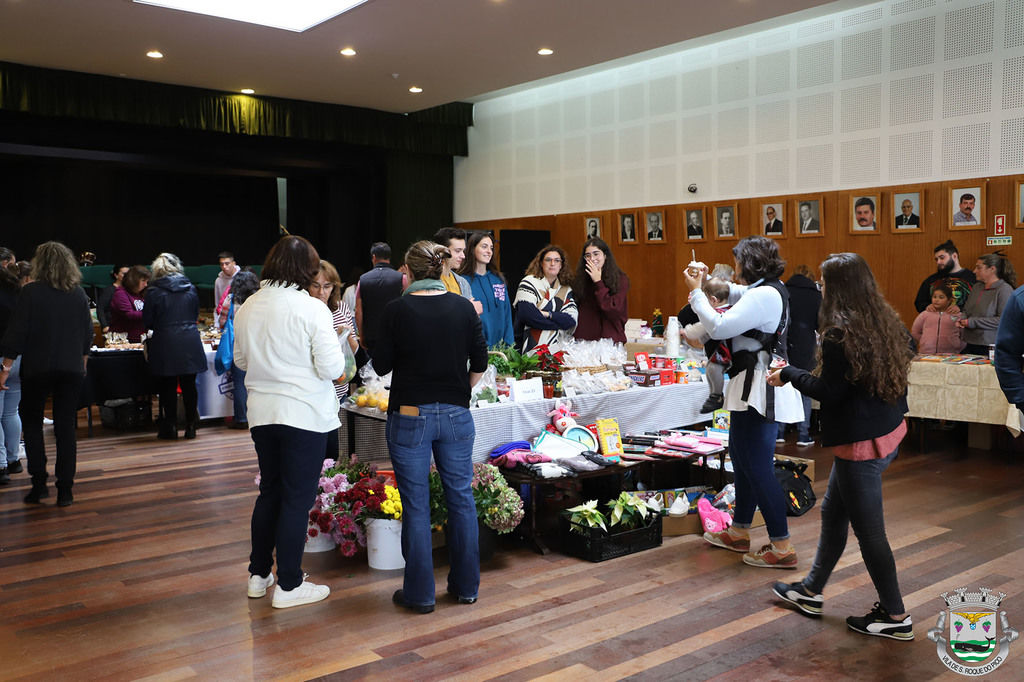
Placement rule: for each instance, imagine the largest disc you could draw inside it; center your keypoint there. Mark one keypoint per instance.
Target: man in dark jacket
(378, 287)
(804, 302)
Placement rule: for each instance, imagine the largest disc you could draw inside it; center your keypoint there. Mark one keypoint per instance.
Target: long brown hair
(469, 265)
(611, 275)
(856, 315)
(54, 264)
(536, 266)
(331, 274)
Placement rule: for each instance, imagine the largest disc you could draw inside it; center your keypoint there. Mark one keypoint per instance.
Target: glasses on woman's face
(326, 286)
(553, 261)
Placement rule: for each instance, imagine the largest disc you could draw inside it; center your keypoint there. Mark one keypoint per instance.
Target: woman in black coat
(175, 350)
(802, 341)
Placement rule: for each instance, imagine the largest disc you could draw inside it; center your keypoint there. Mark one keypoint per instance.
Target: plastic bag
(486, 389)
(350, 357)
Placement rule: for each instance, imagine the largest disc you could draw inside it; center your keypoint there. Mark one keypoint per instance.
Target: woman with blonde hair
(175, 350)
(51, 330)
(433, 342)
(545, 308)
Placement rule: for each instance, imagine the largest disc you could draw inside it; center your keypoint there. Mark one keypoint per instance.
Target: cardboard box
(690, 524)
(800, 460)
(646, 377)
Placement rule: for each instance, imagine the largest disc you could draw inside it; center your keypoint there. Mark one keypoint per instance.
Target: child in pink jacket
(935, 330)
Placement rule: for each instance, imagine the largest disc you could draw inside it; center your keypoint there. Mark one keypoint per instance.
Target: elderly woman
(433, 342)
(286, 344)
(175, 350)
(127, 302)
(545, 307)
(51, 330)
(756, 323)
(996, 282)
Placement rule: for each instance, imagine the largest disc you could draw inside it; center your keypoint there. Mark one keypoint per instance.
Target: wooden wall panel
(900, 261)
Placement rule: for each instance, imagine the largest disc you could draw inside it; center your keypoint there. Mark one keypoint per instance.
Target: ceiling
(456, 50)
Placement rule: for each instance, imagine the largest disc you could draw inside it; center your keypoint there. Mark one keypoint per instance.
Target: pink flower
(328, 464)
(313, 532)
(328, 486)
(348, 548)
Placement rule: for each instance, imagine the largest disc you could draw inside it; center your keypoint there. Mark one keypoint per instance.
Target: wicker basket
(594, 369)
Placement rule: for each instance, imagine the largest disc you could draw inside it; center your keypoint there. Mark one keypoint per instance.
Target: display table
(216, 393)
(637, 410)
(965, 393)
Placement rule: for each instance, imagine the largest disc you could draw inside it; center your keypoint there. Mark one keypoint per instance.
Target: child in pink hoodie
(935, 330)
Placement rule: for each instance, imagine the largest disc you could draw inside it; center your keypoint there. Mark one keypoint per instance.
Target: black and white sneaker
(880, 624)
(797, 595)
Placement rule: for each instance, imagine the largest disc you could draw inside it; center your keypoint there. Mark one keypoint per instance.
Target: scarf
(425, 285)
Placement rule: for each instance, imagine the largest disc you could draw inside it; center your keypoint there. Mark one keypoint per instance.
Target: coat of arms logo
(974, 645)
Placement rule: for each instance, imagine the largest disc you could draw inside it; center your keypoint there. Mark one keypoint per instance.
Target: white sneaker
(804, 443)
(47, 421)
(680, 506)
(780, 440)
(258, 586)
(306, 593)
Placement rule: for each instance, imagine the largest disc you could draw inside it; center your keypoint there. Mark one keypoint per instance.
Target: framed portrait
(725, 222)
(591, 227)
(694, 218)
(627, 228)
(967, 207)
(654, 227)
(1018, 199)
(865, 210)
(907, 209)
(771, 219)
(808, 216)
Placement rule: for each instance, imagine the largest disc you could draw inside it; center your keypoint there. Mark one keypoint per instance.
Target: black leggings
(169, 398)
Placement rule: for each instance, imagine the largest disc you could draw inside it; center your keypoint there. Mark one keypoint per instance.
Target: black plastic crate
(594, 544)
(129, 415)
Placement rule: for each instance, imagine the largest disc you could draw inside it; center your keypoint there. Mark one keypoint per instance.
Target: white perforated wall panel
(965, 149)
(1011, 144)
(969, 31)
(894, 91)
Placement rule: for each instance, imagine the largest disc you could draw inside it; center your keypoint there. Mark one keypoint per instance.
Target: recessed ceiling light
(415, 90)
(155, 54)
(248, 91)
(291, 16)
(348, 52)
(545, 51)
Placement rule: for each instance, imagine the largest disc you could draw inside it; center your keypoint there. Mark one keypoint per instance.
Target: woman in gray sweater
(996, 281)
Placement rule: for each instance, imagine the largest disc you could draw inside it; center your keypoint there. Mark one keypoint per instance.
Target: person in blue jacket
(1010, 348)
(488, 287)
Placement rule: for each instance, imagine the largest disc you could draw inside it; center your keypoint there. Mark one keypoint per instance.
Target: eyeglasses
(323, 287)
(553, 261)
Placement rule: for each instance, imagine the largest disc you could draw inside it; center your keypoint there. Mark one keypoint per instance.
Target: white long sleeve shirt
(286, 344)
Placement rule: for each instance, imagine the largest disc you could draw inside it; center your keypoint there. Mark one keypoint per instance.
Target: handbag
(225, 351)
(796, 487)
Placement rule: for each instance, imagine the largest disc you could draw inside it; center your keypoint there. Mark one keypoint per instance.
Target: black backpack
(796, 487)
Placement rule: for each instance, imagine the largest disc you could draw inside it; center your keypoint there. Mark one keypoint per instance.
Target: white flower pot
(384, 544)
(323, 542)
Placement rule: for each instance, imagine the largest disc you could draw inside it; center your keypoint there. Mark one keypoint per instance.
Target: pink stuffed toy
(562, 416)
(713, 520)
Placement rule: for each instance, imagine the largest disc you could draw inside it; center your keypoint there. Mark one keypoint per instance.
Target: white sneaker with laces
(306, 593)
(680, 506)
(804, 443)
(258, 586)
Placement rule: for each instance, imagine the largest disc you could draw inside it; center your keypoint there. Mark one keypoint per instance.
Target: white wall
(901, 91)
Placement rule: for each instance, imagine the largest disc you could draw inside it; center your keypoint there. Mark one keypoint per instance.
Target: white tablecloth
(215, 392)
(637, 410)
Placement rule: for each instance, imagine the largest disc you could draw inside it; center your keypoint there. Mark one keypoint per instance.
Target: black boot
(168, 431)
(38, 492)
(714, 401)
(64, 498)
(4, 477)
(190, 430)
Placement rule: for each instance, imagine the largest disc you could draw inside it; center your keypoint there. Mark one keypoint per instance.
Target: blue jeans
(803, 433)
(854, 498)
(10, 422)
(290, 461)
(752, 450)
(239, 394)
(447, 432)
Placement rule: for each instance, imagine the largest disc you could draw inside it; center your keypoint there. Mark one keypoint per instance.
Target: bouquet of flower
(348, 495)
(498, 506)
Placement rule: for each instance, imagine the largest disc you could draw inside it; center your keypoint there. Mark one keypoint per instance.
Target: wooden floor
(144, 578)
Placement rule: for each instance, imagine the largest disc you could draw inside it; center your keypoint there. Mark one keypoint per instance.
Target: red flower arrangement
(548, 361)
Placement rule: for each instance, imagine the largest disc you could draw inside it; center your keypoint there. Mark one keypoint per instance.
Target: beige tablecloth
(966, 393)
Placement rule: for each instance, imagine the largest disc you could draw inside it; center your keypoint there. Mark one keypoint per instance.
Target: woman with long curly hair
(545, 307)
(861, 382)
(601, 291)
(51, 331)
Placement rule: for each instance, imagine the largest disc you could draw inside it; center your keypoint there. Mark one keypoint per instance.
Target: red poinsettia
(548, 361)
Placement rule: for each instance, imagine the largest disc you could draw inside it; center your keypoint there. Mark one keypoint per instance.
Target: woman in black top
(175, 350)
(861, 382)
(52, 331)
(427, 337)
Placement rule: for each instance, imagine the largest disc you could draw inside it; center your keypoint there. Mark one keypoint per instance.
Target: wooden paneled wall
(900, 261)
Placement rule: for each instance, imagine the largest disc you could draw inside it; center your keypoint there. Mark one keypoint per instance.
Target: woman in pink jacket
(935, 329)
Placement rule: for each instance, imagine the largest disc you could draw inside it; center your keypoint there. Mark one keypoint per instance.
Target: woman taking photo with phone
(861, 382)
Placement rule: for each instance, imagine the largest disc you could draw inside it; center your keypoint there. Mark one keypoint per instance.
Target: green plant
(586, 515)
(498, 506)
(513, 363)
(628, 511)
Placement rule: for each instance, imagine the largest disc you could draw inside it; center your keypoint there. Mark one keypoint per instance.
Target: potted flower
(632, 526)
(499, 509)
(340, 498)
(382, 517)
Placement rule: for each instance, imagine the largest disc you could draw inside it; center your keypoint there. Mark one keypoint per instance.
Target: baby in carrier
(719, 352)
